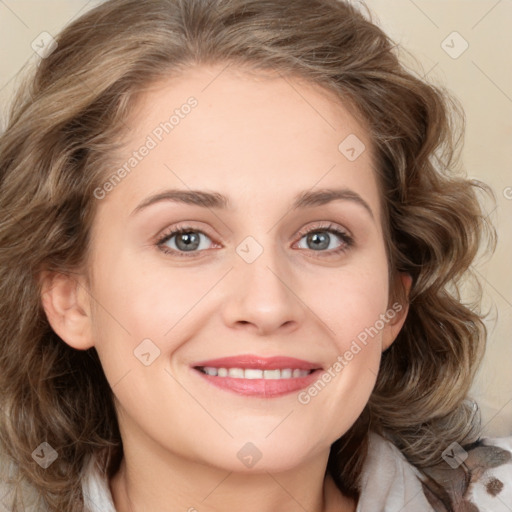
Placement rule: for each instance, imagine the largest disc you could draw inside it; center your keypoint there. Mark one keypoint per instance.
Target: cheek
(148, 299)
(351, 300)
(146, 302)
(353, 304)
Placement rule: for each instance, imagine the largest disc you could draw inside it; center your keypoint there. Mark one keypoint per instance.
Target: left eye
(321, 238)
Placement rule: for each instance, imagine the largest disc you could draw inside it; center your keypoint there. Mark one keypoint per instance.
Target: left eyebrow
(309, 199)
(305, 199)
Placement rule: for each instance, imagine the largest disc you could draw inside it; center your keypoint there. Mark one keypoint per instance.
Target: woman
(229, 253)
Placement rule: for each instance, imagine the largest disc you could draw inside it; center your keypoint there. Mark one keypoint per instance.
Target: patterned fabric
(477, 479)
(480, 478)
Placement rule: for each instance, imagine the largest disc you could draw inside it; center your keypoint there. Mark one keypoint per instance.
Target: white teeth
(272, 374)
(237, 373)
(251, 373)
(286, 373)
(254, 373)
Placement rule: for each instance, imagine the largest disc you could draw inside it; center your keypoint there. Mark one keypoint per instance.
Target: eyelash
(347, 240)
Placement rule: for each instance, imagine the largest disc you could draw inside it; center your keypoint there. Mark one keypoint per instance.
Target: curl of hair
(64, 127)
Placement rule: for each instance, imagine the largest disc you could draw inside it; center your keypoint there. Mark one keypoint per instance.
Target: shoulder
(95, 489)
(477, 478)
(388, 482)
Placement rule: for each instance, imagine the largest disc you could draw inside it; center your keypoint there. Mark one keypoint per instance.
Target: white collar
(389, 482)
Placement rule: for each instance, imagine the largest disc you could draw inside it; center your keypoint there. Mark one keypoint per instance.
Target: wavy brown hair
(67, 120)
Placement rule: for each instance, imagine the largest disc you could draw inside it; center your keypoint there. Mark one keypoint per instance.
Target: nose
(262, 296)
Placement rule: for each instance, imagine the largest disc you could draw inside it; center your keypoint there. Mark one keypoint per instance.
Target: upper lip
(259, 362)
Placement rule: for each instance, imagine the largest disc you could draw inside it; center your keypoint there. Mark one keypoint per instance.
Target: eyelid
(325, 226)
(180, 226)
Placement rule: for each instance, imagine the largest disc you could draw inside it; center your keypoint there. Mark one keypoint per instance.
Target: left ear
(400, 308)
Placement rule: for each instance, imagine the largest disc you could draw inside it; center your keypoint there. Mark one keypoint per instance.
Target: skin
(260, 140)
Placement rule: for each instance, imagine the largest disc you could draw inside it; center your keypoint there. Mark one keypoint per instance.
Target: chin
(261, 456)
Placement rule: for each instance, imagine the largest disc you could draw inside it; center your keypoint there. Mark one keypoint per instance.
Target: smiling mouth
(258, 376)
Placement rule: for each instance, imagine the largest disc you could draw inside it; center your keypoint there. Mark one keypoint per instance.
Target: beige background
(480, 76)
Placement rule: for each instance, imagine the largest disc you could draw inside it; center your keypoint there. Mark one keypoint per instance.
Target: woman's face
(246, 281)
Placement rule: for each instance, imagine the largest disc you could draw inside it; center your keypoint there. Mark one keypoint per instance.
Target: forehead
(247, 133)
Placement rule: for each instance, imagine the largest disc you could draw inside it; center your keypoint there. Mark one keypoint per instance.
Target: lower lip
(264, 388)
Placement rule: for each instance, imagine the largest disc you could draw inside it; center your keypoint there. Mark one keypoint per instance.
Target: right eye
(181, 240)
